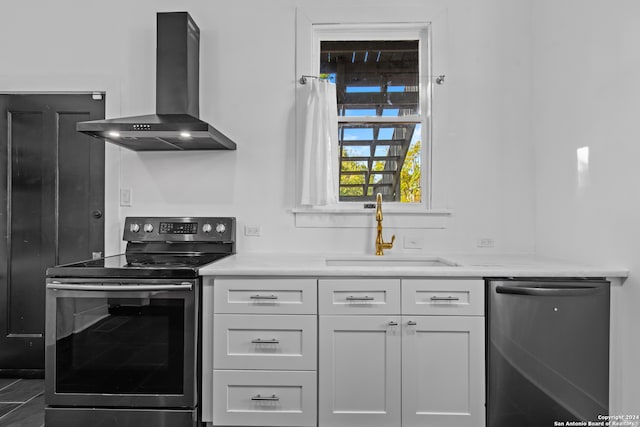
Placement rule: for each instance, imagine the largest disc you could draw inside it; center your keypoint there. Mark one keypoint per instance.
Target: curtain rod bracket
(303, 79)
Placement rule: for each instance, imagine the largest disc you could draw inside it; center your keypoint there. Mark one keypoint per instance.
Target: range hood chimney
(176, 125)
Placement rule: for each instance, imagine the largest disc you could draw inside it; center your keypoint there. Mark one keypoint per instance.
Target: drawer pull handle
(263, 297)
(392, 323)
(364, 298)
(445, 299)
(411, 323)
(261, 341)
(272, 398)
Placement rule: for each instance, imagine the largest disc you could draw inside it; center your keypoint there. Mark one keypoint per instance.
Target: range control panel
(180, 229)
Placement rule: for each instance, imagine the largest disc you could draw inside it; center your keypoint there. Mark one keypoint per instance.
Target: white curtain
(320, 145)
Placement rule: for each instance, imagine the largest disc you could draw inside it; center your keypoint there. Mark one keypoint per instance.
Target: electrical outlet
(486, 242)
(125, 197)
(413, 242)
(252, 230)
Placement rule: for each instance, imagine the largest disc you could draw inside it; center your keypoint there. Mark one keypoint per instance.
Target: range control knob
(134, 228)
(148, 228)
(207, 228)
(220, 228)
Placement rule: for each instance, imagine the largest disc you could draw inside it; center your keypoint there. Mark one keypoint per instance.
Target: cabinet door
(443, 371)
(359, 371)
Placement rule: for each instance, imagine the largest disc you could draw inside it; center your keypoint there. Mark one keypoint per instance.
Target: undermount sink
(382, 261)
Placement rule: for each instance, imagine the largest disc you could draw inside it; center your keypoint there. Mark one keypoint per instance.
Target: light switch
(485, 242)
(125, 197)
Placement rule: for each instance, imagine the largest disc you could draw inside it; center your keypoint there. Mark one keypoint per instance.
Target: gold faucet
(380, 243)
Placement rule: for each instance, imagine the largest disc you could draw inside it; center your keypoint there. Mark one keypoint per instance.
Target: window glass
(377, 79)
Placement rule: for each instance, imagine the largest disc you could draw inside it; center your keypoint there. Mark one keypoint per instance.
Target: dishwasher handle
(547, 291)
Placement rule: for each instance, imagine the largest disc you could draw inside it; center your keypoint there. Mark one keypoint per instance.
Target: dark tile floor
(21, 403)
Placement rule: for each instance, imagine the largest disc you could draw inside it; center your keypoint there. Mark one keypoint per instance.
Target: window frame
(315, 23)
(389, 31)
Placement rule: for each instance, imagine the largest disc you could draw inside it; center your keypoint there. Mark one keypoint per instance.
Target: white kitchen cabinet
(359, 296)
(265, 342)
(264, 352)
(443, 297)
(443, 371)
(420, 364)
(388, 352)
(264, 398)
(265, 296)
(359, 371)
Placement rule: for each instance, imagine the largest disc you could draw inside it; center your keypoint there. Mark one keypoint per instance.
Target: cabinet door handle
(445, 299)
(364, 298)
(261, 341)
(272, 398)
(263, 297)
(411, 323)
(392, 323)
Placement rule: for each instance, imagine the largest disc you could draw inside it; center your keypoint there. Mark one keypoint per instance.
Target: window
(382, 77)
(379, 115)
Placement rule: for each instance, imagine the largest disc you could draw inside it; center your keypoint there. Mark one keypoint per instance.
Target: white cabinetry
(359, 370)
(359, 351)
(443, 353)
(415, 363)
(265, 352)
(442, 371)
(359, 296)
(265, 342)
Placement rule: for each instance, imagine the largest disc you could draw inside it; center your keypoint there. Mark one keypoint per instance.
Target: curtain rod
(303, 79)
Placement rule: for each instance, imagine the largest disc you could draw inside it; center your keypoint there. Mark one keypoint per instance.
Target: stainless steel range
(123, 332)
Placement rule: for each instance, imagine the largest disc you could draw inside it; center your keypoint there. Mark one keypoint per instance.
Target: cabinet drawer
(359, 296)
(442, 297)
(264, 398)
(264, 342)
(266, 296)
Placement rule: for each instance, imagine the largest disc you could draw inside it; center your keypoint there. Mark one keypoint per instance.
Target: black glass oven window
(120, 345)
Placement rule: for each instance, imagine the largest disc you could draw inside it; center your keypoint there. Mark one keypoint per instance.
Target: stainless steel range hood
(176, 125)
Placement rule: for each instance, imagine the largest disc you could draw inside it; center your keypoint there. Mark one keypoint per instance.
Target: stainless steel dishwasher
(547, 351)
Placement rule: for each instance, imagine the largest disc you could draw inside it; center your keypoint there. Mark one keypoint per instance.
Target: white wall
(586, 68)
(248, 86)
(505, 173)
(247, 82)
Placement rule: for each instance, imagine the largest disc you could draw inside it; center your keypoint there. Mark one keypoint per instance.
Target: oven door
(121, 344)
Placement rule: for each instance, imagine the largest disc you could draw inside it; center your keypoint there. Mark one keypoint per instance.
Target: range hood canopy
(176, 125)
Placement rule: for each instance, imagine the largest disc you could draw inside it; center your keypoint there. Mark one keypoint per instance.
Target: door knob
(97, 214)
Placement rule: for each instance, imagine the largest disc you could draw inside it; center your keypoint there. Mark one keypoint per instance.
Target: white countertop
(467, 266)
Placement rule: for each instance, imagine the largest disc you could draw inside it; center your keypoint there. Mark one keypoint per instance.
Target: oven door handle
(128, 288)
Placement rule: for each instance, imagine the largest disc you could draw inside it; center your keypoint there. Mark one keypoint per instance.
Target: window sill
(365, 218)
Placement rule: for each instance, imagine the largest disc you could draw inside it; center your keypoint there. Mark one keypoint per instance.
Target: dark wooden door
(51, 204)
